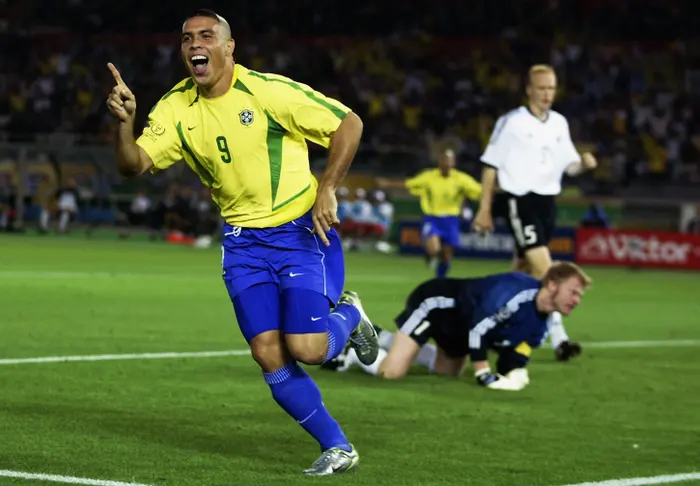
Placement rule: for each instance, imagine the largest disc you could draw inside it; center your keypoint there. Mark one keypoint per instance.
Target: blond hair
(539, 69)
(562, 271)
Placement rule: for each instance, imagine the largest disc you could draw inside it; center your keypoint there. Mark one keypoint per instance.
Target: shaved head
(446, 162)
(224, 26)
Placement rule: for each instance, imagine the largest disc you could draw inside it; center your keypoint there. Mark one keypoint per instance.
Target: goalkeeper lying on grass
(466, 317)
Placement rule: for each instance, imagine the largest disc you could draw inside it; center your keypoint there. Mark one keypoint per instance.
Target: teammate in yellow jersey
(442, 192)
(244, 133)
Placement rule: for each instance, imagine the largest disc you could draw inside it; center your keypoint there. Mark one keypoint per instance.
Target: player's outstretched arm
(416, 184)
(132, 160)
(343, 147)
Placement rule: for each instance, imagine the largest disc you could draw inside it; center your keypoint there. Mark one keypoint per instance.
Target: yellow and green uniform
(248, 145)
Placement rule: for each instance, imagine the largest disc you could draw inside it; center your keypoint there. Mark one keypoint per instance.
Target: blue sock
(341, 323)
(299, 396)
(442, 269)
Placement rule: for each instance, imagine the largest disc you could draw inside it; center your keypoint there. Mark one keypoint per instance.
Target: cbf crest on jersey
(246, 117)
(157, 129)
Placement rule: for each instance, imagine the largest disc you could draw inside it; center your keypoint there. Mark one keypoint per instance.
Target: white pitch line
(246, 352)
(672, 478)
(115, 357)
(643, 344)
(64, 479)
(61, 274)
(68, 275)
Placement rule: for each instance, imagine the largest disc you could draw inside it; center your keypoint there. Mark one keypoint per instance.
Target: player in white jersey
(362, 210)
(384, 217)
(529, 152)
(67, 204)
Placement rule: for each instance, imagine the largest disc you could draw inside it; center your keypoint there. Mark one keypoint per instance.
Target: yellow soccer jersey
(443, 196)
(248, 146)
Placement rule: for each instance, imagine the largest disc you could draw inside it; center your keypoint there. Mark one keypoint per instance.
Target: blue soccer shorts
(276, 276)
(445, 227)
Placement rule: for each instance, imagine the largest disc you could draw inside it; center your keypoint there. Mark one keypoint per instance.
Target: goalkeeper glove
(497, 382)
(567, 350)
(519, 375)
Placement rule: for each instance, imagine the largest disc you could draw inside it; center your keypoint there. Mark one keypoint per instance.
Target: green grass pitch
(612, 413)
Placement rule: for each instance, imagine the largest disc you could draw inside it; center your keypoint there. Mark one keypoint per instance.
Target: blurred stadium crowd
(439, 78)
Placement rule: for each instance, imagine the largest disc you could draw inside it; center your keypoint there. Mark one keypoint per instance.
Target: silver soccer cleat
(334, 461)
(363, 339)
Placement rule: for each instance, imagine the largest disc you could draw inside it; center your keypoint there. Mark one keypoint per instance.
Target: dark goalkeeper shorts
(432, 312)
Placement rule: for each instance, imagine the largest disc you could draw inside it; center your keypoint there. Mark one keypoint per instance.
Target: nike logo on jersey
(314, 319)
(192, 128)
(292, 274)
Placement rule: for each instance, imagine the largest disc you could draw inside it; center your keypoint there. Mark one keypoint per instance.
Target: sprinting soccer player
(442, 192)
(467, 317)
(244, 133)
(529, 151)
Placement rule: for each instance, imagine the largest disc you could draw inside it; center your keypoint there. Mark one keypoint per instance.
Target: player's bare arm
(342, 150)
(483, 221)
(132, 160)
(386, 183)
(588, 162)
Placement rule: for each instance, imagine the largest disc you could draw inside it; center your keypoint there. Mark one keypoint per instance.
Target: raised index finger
(115, 74)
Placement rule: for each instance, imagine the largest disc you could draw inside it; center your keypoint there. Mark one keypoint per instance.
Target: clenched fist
(588, 161)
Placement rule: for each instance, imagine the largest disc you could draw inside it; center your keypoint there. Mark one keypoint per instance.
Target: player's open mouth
(199, 64)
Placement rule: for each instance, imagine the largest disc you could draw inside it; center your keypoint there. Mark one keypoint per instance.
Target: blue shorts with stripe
(288, 256)
(445, 227)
